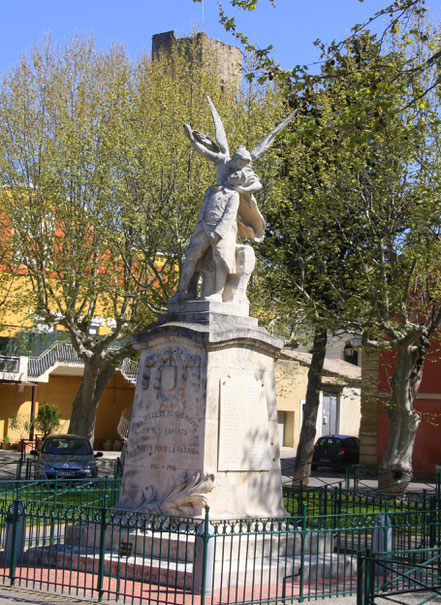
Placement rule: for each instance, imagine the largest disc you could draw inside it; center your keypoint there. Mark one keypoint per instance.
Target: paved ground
(26, 596)
(9, 460)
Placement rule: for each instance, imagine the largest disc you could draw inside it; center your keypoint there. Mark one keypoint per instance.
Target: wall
(370, 372)
(376, 371)
(291, 384)
(427, 449)
(14, 400)
(291, 381)
(61, 391)
(228, 58)
(350, 411)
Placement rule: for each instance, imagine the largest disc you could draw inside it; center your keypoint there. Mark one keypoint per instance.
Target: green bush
(48, 419)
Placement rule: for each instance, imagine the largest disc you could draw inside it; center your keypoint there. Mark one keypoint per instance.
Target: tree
(395, 16)
(356, 234)
(315, 227)
(101, 188)
(48, 419)
(401, 188)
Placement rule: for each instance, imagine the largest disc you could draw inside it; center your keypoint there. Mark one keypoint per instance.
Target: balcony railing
(129, 369)
(64, 352)
(60, 352)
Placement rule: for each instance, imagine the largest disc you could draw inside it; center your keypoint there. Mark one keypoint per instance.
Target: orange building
(374, 429)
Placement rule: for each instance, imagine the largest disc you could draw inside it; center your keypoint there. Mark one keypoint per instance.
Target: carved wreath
(185, 497)
(182, 362)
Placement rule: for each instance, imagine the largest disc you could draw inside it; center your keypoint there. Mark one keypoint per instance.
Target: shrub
(48, 419)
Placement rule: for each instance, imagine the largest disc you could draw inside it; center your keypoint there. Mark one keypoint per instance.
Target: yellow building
(39, 365)
(339, 411)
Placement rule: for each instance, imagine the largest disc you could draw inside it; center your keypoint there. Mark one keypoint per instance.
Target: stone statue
(229, 209)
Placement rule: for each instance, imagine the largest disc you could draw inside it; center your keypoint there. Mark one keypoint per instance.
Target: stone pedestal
(204, 421)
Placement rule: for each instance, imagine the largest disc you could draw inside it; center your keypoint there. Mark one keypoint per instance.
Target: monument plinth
(204, 421)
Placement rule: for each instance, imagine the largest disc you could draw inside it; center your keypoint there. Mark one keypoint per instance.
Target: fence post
(106, 493)
(15, 537)
(361, 563)
(101, 563)
(382, 542)
(432, 523)
(18, 471)
(368, 584)
(302, 553)
(204, 558)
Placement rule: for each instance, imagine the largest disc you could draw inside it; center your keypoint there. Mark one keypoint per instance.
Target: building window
(350, 354)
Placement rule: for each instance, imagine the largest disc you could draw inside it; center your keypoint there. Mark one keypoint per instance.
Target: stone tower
(228, 57)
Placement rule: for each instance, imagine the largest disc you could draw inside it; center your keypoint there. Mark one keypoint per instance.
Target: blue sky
(291, 27)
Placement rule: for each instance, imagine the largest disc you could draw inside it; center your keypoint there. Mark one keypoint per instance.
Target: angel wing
(206, 141)
(219, 130)
(265, 144)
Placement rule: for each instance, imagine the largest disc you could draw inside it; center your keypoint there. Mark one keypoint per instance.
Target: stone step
(181, 546)
(167, 572)
(137, 568)
(153, 544)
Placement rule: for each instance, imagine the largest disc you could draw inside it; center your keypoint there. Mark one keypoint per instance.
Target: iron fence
(384, 575)
(134, 557)
(97, 492)
(338, 499)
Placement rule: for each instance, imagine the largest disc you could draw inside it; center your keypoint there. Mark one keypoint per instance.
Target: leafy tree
(401, 186)
(315, 227)
(360, 240)
(48, 419)
(392, 125)
(101, 188)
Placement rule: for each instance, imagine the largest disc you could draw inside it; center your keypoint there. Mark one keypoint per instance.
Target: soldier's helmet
(242, 153)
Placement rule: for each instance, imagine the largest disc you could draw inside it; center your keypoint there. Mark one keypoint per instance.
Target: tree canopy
(101, 189)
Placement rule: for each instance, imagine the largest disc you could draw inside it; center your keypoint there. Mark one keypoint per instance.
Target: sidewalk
(27, 596)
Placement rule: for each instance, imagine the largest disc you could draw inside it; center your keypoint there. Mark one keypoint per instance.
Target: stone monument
(204, 421)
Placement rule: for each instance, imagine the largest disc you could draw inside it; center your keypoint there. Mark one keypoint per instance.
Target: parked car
(66, 456)
(336, 450)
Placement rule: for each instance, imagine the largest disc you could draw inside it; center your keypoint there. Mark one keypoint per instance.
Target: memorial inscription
(244, 443)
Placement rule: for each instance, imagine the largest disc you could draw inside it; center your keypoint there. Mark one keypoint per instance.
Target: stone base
(204, 422)
(203, 309)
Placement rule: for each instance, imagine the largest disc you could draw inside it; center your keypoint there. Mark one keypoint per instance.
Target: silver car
(66, 456)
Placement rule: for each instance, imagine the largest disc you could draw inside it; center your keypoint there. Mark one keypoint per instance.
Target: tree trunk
(305, 449)
(97, 374)
(395, 470)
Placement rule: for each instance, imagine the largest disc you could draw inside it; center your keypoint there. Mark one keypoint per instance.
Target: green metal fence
(385, 575)
(98, 492)
(338, 499)
(134, 557)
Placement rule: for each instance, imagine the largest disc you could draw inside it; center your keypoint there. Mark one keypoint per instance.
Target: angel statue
(229, 209)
